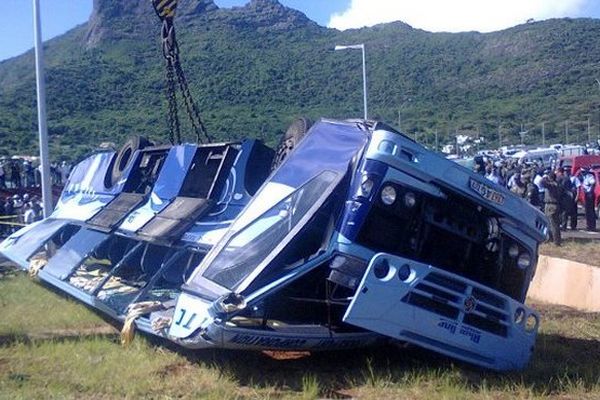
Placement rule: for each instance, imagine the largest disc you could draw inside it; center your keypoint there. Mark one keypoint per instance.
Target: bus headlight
(524, 261)
(366, 186)
(513, 250)
(410, 199)
(388, 195)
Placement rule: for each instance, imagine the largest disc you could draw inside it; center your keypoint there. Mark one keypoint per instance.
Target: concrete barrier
(566, 283)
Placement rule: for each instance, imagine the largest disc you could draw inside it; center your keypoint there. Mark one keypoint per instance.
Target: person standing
(15, 174)
(569, 205)
(492, 175)
(37, 208)
(28, 174)
(575, 184)
(2, 219)
(532, 194)
(588, 184)
(552, 207)
(64, 171)
(2, 176)
(518, 186)
(9, 211)
(28, 214)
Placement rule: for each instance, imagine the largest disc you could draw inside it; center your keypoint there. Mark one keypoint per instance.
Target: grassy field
(585, 252)
(51, 347)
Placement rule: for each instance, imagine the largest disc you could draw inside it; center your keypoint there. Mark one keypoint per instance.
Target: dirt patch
(560, 313)
(4, 367)
(286, 355)
(7, 270)
(171, 370)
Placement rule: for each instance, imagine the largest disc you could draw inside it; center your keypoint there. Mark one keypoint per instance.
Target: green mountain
(252, 69)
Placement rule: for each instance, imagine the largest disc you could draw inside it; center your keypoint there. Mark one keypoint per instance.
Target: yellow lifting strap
(134, 311)
(165, 9)
(36, 264)
(161, 323)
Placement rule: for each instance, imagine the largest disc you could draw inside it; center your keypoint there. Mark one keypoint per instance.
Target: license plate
(487, 192)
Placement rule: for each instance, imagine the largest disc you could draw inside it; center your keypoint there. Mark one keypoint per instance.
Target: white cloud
(453, 15)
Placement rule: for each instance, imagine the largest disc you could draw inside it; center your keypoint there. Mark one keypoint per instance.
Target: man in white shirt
(28, 215)
(588, 184)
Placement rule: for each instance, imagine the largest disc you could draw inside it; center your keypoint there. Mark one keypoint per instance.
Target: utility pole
(566, 132)
(522, 133)
(436, 141)
(499, 136)
(47, 200)
(589, 130)
(543, 134)
(364, 71)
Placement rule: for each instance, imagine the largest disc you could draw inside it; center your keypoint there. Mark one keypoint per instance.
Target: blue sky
(58, 16)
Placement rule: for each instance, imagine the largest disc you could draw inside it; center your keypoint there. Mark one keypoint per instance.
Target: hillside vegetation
(253, 69)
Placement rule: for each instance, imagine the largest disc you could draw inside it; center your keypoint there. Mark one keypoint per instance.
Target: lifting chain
(173, 117)
(165, 9)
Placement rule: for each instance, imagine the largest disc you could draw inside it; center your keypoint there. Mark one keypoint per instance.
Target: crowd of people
(17, 177)
(23, 173)
(17, 210)
(553, 190)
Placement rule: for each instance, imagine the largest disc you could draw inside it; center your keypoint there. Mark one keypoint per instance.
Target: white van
(546, 157)
(572, 151)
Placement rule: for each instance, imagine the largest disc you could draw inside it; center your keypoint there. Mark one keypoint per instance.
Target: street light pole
(543, 134)
(364, 67)
(408, 99)
(47, 200)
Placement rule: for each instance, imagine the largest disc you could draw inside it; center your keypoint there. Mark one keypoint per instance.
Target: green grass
(38, 360)
(33, 310)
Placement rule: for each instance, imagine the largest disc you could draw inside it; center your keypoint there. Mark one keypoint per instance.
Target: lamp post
(523, 133)
(408, 100)
(41, 105)
(543, 134)
(364, 67)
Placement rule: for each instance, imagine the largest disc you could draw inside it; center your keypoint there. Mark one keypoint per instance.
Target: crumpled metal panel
(21, 245)
(443, 312)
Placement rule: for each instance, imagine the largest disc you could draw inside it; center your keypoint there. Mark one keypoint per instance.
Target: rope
(134, 311)
(9, 216)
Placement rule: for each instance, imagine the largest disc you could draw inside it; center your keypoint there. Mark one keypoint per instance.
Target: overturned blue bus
(350, 234)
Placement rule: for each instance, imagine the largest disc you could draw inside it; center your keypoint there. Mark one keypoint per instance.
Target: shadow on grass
(7, 269)
(558, 365)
